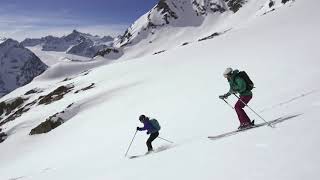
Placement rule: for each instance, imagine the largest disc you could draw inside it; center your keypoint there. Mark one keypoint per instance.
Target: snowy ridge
(172, 23)
(18, 66)
(2, 39)
(76, 43)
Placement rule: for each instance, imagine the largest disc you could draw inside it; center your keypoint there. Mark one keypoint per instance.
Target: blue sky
(37, 18)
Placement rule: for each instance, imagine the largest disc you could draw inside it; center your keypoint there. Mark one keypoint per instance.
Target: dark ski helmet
(142, 117)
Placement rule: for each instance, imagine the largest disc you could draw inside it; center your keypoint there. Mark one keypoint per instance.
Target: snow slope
(180, 88)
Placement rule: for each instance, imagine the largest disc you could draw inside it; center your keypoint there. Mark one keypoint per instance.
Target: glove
(225, 96)
(138, 129)
(148, 132)
(222, 96)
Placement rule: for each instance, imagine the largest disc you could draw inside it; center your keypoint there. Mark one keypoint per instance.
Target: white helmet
(227, 72)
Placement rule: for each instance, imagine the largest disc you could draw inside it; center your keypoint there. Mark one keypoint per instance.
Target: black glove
(138, 128)
(222, 97)
(225, 96)
(148, 132)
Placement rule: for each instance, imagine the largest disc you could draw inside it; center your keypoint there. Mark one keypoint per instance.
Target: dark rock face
(235, 5)
(55, 95)
(30, 69)
(9, 111)
(7, 107)
(271, 3)
(86, 88)
(126, 36)
(51, 123)
(112, 53)
(3, 136)
(33, 91)
(285, 1)
(159, 52)
(54, 121)
(165, 10)
(18, 113)
(209, 37)
(18, 66)
(214, 35)
(209, 6)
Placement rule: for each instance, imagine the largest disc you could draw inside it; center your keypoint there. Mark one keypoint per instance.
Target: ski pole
(254, 111)
(165, 139)
(131, 143)
(227, 103)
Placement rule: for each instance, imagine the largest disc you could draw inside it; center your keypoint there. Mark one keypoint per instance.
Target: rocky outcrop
(272, 5)
(165, 11)
(110, 53)
(92, 85)
(235, 5)
(51, 123)
(11, 109)
(3, 136)
(7, 107)
(55, 95)
(55, 120)
(203, 7)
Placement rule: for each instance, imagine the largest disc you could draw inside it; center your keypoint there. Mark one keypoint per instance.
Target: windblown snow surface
(180, 88)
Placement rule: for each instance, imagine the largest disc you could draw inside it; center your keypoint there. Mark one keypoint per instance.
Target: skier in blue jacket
(154, 133)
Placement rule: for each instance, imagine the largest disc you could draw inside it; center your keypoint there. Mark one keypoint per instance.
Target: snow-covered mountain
(2, 39)
(77, 119)
(75, 43)
(172, 23)
(18, 66)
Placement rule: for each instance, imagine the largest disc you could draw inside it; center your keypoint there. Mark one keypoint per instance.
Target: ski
(160, 149)
(231, 133)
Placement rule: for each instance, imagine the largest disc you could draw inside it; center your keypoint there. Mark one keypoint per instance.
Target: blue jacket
(148, 126)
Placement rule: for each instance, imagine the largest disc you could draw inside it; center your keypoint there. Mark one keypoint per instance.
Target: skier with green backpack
(240, 83)
(152, 126)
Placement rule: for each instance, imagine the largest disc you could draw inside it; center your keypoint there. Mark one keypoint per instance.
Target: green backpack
(155, 124)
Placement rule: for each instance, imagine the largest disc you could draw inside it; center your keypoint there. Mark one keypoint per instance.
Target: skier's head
(142, 118)
(227, 73)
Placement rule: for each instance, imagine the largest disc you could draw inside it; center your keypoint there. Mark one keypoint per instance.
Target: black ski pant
(152, 137)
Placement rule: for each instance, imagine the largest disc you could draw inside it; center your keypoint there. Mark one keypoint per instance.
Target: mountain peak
(9, 43)
(75, 31)
(18, 66)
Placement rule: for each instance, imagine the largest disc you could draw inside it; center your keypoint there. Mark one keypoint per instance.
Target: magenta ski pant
(243, 117)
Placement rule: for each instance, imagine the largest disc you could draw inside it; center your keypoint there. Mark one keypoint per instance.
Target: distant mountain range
(18, 66)
(75, 43)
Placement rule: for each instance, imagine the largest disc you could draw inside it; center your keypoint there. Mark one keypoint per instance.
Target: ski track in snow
(290, 100)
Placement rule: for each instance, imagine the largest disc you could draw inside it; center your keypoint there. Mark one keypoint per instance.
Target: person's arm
(142, 128)
(225, 96)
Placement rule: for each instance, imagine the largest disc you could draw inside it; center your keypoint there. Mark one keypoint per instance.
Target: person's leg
(152, 137)
(243, 117)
